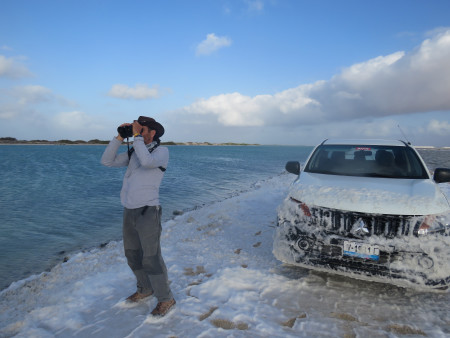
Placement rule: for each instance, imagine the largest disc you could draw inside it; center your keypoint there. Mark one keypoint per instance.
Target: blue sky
(255, 71)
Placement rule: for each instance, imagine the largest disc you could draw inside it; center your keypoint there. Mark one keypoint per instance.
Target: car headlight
(433, 224)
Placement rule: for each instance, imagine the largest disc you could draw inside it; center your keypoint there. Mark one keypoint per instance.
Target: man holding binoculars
(146, 162)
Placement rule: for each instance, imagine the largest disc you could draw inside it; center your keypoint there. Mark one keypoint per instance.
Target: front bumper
(325, 251)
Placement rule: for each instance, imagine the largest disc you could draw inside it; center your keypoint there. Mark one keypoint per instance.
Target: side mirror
(441, 175)
(293, 167)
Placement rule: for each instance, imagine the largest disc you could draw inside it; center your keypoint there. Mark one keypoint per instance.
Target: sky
(286, 72)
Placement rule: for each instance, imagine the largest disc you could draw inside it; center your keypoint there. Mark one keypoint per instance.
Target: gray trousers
(141, 241)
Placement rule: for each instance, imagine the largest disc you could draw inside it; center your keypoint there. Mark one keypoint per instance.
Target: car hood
(370, 194)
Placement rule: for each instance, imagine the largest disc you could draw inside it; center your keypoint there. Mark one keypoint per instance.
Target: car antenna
(403, 134)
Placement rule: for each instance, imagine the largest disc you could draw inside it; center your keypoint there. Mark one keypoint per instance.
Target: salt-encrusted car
(367, 209)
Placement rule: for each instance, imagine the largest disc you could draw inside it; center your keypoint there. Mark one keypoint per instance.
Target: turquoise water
(59, 199)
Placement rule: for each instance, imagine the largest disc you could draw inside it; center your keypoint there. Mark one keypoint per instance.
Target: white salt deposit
(226, 282)
(370, 195)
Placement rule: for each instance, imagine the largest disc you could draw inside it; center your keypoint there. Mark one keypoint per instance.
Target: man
(146, 163)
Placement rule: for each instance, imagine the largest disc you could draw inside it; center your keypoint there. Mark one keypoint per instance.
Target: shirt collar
(152, 145)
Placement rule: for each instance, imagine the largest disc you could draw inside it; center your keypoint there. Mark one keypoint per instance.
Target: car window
(364, 160)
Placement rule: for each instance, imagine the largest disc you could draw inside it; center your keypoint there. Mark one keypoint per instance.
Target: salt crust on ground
(227, 284)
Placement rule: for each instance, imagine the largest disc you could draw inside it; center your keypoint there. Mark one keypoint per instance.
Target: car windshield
(367, 161)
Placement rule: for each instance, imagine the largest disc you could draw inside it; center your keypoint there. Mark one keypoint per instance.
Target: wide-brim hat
(152, 124)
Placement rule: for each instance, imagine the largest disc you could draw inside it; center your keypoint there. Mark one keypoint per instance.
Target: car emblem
(360, 228)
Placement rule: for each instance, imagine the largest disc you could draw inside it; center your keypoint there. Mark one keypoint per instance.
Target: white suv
(367, 209)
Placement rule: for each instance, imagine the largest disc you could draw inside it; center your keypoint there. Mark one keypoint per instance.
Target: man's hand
(137, 128)
(120, 138)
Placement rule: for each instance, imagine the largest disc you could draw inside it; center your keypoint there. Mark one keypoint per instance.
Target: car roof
(371, 142)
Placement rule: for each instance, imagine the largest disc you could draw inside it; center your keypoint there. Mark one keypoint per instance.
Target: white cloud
(439, 128)
(255, 5)
(239, 110)
(139, 92)
(378, 129)
(23, 104)
(10, 68)
(436, 31)
(32, 94)
(74, 120)
(6, 114)
(397, 84)
(232, 109)
(212, 43)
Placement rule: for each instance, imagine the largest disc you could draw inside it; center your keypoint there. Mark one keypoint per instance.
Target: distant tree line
(13, 140)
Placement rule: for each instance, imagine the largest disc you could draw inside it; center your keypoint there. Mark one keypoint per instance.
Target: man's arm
(110, 158)
(158, 158)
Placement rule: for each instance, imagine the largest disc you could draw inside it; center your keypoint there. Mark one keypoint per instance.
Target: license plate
(361, 250)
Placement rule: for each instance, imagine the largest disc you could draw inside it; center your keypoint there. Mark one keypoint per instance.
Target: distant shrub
(8, 139)
(97, 141)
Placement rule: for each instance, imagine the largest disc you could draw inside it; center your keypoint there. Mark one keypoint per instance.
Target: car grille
(346, 223)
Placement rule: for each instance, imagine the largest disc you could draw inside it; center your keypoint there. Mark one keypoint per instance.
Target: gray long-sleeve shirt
(143, 176)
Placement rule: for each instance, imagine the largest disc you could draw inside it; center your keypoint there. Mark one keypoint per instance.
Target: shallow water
(59, 199)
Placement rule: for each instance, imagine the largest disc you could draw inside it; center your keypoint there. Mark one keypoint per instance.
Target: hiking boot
(162, 308)
(137, 296)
